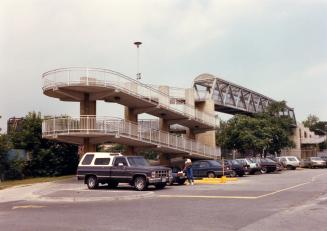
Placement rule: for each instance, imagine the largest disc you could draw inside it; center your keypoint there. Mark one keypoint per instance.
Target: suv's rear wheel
(92, 182)
(140, 183)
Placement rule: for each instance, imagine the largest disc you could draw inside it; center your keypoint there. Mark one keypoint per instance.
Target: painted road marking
(208, 197)
(244, 197)
(28, 207)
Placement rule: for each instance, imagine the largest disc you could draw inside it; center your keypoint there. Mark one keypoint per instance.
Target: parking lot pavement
(291, 200)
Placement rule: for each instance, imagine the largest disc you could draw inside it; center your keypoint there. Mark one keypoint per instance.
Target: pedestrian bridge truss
(231, 98)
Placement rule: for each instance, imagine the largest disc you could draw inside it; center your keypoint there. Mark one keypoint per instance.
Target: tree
(48, 158)
(311, 121)
(267, 131)
(4, 147)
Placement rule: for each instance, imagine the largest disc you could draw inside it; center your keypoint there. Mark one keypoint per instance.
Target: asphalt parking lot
(290, 200)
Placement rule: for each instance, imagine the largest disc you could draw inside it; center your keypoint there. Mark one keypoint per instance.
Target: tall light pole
(138, 74)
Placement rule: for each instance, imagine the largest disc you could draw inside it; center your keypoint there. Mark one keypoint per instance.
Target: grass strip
(12, 183)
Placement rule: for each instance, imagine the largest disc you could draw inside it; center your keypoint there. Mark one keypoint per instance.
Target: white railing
(155, 124)
(79, 76)
(92, 125)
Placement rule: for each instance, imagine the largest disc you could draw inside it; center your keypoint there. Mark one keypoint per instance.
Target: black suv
(95, 168)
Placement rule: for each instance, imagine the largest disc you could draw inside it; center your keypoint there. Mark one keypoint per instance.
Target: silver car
(313, 162)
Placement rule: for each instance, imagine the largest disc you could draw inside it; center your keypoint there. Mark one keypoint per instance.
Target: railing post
(54, 124)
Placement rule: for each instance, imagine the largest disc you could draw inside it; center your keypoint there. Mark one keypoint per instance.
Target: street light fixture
(138, 74)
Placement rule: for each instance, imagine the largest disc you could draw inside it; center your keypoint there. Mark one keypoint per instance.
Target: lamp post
(138, 74)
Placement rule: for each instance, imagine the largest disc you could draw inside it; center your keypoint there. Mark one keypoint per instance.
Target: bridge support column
(87, 107)
(209, 137)
(131, 116)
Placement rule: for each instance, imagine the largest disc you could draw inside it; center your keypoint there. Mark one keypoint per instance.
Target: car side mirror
(120, 164)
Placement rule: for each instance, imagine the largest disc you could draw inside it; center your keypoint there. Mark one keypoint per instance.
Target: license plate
(163, 179)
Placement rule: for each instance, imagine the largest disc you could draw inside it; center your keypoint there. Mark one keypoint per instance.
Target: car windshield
(292, 159)
(316, 158)
(137, 161)
(234, 162)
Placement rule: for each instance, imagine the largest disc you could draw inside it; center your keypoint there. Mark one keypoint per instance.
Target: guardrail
(79, 76)
(92, 125)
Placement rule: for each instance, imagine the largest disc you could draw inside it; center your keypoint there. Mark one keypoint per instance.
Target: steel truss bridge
(231, 98)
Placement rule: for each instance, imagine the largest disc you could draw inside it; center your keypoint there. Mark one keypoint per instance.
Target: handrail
(94, 125)
(108, 78)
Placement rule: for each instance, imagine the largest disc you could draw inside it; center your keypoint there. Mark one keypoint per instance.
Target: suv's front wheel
(92, 182)
(140, 183)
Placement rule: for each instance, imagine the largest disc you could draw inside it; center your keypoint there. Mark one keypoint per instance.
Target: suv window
(120, 160)
(88, 159)
(204, 165)
(102, 161)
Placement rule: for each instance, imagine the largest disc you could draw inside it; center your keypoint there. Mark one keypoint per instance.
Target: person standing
(189, 171)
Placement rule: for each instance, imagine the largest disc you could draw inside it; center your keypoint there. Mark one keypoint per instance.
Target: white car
(289, 162)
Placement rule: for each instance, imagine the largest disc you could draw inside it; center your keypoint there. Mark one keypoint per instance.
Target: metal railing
(92, 125)
(79, 76)
(155, 124)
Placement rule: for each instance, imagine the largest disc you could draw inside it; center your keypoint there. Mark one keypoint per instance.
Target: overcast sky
(275, 47)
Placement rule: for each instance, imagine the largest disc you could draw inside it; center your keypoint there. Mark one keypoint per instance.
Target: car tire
(181, 182)
(232, 173)
(289, 167)
(92, 182)
(264, 170)
(140, 183)
(211, 175)
(160, 185)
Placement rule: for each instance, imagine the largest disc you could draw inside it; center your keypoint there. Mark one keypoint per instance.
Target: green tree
(48, 158)
(4, 148)
(311, 121)
(267, 131)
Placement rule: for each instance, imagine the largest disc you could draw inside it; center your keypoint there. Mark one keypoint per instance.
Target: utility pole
(138, 74)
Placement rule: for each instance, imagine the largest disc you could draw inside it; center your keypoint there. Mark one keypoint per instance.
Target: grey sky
(276, 47)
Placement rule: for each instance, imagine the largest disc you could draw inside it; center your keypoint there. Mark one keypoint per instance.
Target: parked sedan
(209, 168)
(324, 158)
(250, 167)
(266, 165)
(313, 162)
(236, 169)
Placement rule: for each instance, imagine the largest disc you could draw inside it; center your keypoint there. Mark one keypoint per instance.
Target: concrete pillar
(133, 117)
(130, 115)
(296, 138)
(209, 137)
(87, 107)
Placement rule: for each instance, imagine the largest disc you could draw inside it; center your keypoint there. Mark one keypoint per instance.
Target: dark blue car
(209, 168)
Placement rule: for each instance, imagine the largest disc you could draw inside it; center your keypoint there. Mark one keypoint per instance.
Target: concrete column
(296, 138)
(133, 117)
(87, 107)
(209, 137)
(130, 115)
